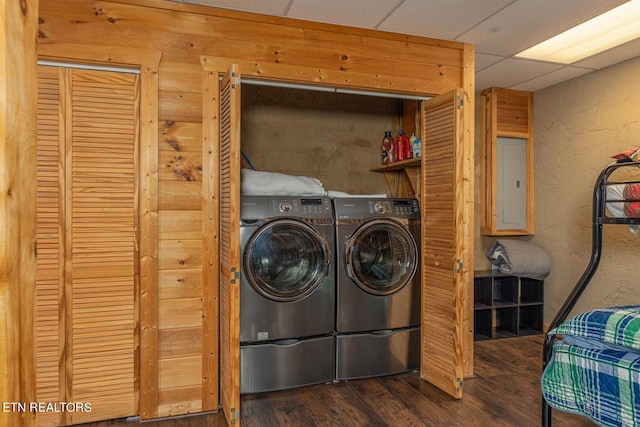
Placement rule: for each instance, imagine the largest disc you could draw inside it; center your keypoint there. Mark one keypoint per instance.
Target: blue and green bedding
(595, 367)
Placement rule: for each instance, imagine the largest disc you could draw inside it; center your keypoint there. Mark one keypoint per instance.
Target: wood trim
(467, 210)
(505, 113)
(210, 243)
(429, 83)
(18, 34)
(148, 382)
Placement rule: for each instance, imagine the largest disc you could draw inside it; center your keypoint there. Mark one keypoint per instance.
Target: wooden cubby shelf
(506, 306)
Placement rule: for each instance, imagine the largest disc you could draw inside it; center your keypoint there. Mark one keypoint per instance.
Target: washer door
(381, 256)
(286, 260)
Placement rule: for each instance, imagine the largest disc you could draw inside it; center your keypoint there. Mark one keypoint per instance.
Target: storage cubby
(506, 306)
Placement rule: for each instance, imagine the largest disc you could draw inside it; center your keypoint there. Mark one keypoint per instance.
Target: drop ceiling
(498, 29)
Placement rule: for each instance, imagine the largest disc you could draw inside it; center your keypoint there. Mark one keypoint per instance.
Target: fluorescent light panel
(612, 28)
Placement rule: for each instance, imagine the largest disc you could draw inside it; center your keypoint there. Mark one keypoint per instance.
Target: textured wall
(578, 126)
(333, 137)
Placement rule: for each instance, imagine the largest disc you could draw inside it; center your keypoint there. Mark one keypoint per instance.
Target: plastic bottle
(399, 148)
(417, 148)
(412, 140)
(387, 148)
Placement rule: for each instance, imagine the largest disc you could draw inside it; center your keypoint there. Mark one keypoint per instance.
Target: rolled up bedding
(520, 258)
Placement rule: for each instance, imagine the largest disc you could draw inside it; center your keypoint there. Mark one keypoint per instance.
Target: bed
(591, 361)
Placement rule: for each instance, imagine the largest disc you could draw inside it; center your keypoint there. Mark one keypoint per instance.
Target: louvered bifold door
(50, 249)
(88, 300)
(443, 243)
(230, 246)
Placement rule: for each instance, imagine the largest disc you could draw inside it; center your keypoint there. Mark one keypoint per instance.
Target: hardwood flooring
(505, 391)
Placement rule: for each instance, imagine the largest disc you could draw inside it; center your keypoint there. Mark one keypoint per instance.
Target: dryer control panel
(354, 208)
(401, 207)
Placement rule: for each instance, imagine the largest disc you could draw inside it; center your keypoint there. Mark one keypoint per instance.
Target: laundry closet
(443, 181)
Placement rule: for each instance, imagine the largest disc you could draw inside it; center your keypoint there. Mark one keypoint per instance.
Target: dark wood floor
(505, 391)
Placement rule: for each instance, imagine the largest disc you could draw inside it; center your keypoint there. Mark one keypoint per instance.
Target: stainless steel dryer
(378, 286)
(287, 292)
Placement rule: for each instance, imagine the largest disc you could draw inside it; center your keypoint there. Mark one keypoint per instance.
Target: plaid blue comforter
(595, 367)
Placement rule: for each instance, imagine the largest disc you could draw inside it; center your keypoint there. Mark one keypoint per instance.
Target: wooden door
(447, 242)
(87, 268)
(229, 181)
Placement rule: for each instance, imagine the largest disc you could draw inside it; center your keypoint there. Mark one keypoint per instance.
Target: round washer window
(286, 260)
(381, 257)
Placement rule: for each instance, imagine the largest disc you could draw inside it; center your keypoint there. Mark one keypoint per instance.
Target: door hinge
(459, 386)
(235, 275)
(235, 80)
(235, 415)
(460, 265)
(460, 102)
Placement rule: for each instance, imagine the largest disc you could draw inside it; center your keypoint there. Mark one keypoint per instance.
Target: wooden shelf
(416, 162)
(403, 178)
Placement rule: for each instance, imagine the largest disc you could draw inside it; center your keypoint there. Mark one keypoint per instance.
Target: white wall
(578, 126)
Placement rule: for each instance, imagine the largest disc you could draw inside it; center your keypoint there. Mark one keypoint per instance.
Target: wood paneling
(179, 189)
(179, 313)
(18, 30)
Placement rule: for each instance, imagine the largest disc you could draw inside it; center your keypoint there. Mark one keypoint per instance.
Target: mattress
(623, 200)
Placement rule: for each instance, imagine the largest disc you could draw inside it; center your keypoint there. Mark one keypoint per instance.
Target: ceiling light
(603, 32)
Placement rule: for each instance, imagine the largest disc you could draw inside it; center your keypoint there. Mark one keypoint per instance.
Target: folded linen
(520, 258)
(338, 194)
(259, 183)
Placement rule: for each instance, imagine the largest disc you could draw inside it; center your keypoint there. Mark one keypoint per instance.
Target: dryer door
(286, 260)
(381, 256)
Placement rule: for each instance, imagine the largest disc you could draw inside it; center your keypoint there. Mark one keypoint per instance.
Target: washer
(287, 292)
(378, 286)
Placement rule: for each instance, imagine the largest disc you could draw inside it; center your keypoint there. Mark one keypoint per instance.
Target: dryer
(287, 292)
(378, 286)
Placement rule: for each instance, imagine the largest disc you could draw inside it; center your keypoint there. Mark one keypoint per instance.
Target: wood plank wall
(319, 53)
(18, 27)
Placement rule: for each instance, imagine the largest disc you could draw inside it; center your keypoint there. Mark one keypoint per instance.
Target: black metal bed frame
(599, 218)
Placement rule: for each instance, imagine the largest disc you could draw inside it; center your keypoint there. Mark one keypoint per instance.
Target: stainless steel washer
(287, 292)
(378, 286)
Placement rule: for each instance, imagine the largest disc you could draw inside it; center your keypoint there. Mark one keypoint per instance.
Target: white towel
(259, 183)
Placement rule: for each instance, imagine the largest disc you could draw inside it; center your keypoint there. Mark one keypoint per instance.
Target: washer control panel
(301, 206)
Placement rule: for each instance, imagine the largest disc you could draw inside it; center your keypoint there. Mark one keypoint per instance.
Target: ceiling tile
(525, 23)
(552, 78)
(510, 72)
(612, 56)
(483, 60)
(441, 19)
(353, 13)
